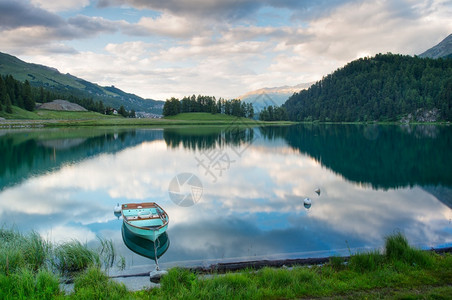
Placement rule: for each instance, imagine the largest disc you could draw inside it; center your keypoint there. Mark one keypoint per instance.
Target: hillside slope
(443, 49)
(50, 78)
(381, 88)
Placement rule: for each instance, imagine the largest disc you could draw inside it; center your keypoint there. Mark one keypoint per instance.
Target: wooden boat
(147, 220)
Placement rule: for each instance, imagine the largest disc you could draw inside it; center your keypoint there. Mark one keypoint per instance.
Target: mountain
(52, 79)
(443, 49)
(274, 96)
(387, 87)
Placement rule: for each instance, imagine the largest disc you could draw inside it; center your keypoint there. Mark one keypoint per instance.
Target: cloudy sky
(159, 49)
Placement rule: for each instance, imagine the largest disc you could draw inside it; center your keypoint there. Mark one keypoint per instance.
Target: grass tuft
(24, 284)
(366, 261)
(19, 251)
(398, 251)
(178, 279)
(72, 257)
(94, 284)
(337, 263)
(47, 284)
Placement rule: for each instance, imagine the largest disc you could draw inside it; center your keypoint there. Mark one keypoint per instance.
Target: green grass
(22, 114)
(200, 116)
(72, 257)
(30, 267)
(18, 251)
(26, 284)
(72, 115)
(398, 272)
(49, 118)
(94, 284)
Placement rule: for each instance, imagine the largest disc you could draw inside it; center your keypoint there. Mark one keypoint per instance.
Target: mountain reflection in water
(374, 180)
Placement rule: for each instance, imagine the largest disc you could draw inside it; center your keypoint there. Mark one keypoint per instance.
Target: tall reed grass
(30, 267)
(73, 256)
(22, 251)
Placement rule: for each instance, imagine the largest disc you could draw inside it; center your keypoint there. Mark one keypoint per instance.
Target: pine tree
(3, 92)
(122, 111)
(29, 103)
(9, 108)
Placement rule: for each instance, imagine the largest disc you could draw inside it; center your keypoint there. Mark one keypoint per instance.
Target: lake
(233, 193)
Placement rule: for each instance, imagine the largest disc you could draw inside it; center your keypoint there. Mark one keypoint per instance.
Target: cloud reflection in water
(254, 210)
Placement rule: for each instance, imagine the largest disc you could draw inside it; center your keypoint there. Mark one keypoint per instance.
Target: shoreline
(61, 123)
(52, 123)
(222, 268)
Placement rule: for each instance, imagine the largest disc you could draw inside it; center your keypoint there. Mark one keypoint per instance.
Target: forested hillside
(68, 85)
(386, 87)
(23, 95)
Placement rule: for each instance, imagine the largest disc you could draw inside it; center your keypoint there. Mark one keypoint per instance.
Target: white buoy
(307, 203)
(156, 275)
(117, 208)
(317, 190)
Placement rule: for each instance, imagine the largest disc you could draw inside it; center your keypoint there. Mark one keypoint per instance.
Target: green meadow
(50, 118)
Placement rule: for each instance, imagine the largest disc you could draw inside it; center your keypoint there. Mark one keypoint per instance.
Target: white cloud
(63, 233)
(177, 54)
(165, 25)
(57, 6)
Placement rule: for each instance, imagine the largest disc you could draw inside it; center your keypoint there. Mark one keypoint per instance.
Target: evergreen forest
(386, 87)
(22, 94)
(208, 104)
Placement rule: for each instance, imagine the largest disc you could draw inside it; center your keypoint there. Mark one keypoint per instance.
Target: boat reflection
(145, 247)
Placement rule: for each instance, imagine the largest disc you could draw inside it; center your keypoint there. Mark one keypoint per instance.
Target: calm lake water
(373, 181)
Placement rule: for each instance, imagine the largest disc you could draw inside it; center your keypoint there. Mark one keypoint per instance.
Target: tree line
(21, 94)
(208, 104)
(273, 113)
(381, 88)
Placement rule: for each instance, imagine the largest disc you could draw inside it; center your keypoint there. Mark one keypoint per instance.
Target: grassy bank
(32, 268)
(22, 118)
(22, 114)
(401, 271)
(49, 118)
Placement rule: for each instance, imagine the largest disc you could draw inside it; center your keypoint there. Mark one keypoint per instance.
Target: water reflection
(30, 153)
(255, 209)
(145, 247)
(384, 157)
(205, 138)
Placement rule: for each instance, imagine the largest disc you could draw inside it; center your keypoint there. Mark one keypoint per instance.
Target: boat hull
(148, 234)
